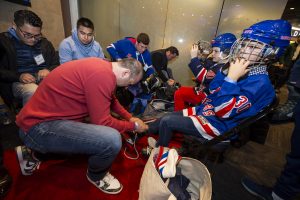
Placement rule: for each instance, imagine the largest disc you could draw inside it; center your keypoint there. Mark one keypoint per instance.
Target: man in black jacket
(160, 59)
(26, 57)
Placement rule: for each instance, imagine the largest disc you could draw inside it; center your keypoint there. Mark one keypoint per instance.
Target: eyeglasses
(29, 36)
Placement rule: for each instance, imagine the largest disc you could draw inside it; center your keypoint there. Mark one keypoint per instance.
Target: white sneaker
(109, 184)
(28, 163)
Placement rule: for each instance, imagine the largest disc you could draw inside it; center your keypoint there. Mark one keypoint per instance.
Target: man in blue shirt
(81, 43)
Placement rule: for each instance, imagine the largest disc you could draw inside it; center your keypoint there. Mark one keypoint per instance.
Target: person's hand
(26, 78)
(171, 82)
(194, 51)
(141, 126)
(237, 69)
(42, 73)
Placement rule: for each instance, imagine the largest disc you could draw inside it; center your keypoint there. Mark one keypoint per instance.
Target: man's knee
(114, 140)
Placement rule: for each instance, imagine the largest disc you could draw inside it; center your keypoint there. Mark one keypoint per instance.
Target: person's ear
(126, 73)
(14, 25)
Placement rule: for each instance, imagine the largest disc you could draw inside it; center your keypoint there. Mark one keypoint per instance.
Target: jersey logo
(129, 55)
(207, 107)
(208, 113)
(244, 108)
(242, 101)
(210, 74)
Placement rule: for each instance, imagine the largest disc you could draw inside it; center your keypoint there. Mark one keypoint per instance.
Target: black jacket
(8, 62)
(160, 62)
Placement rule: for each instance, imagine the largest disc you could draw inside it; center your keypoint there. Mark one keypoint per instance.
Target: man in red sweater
(52, 121)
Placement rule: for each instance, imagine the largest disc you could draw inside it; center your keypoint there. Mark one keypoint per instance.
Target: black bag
(167, 92)
(157, 108)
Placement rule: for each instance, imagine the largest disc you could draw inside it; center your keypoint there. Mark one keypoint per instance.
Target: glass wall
(175, 22)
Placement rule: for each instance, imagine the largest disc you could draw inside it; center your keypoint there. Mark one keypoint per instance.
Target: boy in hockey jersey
(236, 93)
(204, 70)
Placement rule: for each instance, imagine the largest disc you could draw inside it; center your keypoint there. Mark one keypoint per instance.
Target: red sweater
(73, 91)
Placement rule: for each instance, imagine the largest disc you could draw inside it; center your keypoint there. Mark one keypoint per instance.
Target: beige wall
(175, 22)
(48, 10)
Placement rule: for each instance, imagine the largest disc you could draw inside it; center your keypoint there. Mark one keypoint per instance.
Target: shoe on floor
(260, 191)
(28, 163)
(109, 184)
(284, 112)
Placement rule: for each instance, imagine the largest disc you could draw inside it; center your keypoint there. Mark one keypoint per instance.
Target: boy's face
(217, 55)
(85, 34)
(251, 50)
(140, 47)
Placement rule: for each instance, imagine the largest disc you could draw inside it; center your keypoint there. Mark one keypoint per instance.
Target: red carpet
(67, 179)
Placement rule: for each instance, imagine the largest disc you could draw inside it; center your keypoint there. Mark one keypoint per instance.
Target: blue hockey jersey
(204, 71)
(125, 48)
(229, 103)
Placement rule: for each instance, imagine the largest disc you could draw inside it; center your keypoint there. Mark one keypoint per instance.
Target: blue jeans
(288, 184)
(101, 143)
(173, 122)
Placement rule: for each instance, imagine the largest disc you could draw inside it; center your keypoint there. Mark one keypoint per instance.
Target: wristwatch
(136, 125)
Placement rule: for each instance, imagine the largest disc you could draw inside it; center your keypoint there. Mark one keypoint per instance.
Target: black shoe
(5, 182)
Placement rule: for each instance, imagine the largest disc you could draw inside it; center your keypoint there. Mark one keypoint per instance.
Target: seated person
(160, 59)
(135, 48)
(26, 57)
(81, 43)
(204, 70)
(236, 93)
(130, 47)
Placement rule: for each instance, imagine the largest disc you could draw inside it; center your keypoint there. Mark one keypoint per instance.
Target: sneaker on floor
(28, 163)
(260, 191)
(109, 184)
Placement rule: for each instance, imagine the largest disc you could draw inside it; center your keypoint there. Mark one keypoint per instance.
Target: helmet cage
(248, 49)
(204, 47)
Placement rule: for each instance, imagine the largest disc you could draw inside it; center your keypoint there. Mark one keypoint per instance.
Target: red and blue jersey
(228, 103)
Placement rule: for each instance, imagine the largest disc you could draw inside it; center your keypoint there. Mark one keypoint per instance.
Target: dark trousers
(288, 184)
(170, 123)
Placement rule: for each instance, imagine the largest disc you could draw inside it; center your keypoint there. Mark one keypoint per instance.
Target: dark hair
(173, 50)
(85, 22)
(143, 38)
(26, 16)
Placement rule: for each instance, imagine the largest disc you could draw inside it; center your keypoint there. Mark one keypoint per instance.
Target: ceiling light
(292, 8)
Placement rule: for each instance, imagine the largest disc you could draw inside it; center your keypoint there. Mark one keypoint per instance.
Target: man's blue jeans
(101, 143)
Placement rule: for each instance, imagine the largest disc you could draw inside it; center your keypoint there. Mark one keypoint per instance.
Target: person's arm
(51, 56)
(112, 49)
(65, 52)
(157, 59)
(7, 53)
(99, 99)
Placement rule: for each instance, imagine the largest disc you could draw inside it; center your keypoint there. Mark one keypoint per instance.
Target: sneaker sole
(21, 161)
(107, 192)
